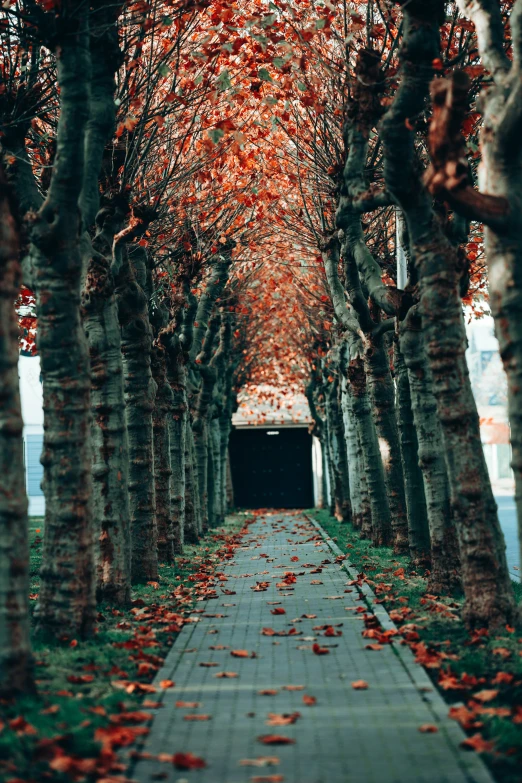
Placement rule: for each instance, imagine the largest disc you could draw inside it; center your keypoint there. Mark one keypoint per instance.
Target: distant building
(32, 413)
(489, 385)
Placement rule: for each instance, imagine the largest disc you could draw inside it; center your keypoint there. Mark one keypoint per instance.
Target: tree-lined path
(283, 598)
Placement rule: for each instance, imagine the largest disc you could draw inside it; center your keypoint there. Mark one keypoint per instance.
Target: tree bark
(445, 562)
(382, 395)
(162, 453)
(66, 600)
(418, 529)
(341, 486)
(192, 512)
(381, 532)
(487, 587)
(354, 467)
(16, 664)
(140, 390)
(110, 455)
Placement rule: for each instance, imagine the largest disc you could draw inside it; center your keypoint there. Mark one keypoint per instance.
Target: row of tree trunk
(137, 376)
(394, 404)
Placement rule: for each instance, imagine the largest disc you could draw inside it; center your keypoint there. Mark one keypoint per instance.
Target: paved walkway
(369, 735)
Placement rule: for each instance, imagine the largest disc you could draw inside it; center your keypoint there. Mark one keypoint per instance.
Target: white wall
(32, 414)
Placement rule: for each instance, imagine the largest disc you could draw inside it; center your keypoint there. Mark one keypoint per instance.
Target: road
(508, 521)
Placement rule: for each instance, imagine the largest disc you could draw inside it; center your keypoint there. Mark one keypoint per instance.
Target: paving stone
(359, 736)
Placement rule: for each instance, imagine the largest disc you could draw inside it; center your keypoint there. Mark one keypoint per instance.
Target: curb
(470, 762)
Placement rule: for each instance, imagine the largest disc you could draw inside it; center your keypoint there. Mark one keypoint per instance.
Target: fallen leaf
(278, 610)
(187, 761)
(267, 779)
(318, 650)
(478, 744)
(360, 685)
(208, 665)
(268, 692)
(166, 684)
(293, 687)
(485, 695)
(260, 761)
(240, 653)
(285, 719)
(374, 647)
(309, 700)
(275, 739)
(428, 728)
(226, 674)
(191, 705)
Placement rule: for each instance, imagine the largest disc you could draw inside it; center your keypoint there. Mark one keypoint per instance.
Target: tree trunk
(140, 390)
(192, 515)
(66, 600)
(16, 665)
(382, 395)
(354, 468)
(445, 561)
(381, 532)
(177, 419)
(110, 457)
(341, 486)
(215, 434)
(418, 529)
(162, 451)
(487, 587)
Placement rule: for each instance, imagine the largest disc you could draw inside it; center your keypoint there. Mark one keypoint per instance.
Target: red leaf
(275, 739)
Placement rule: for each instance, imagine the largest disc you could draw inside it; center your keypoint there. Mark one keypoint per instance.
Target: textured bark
(382, 395)
(177, 422)
(66, 599)
(355, 469)
(215, 437)
(110, 447)
(445, 561)
(162, 451)
(341, 481)
(140, 390)
(381, 532)
(500, 180)
(487, 587)
(16, 665)
(192, 509)
(418, 530)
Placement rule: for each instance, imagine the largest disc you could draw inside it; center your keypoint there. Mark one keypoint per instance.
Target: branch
(486, 16)
(330, 256)
(448, 175)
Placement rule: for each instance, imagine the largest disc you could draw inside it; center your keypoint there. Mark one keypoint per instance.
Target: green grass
(53, 732)
(443, 632)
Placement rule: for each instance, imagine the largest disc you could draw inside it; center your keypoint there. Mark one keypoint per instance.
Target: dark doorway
(272, 468)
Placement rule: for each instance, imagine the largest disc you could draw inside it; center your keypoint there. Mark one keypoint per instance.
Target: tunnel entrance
(272, 467)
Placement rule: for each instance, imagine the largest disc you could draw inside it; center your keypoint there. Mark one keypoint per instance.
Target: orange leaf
(240, 653)
(278, 610)
(318, 650)
(478, 744)
(428, 728)
(166, 684)
(275, 739)
(187, 761)
(309, 700)
(486, 695)
(360, 685)
(191, 705)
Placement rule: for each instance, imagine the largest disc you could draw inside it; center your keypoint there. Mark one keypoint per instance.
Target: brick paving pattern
(366, 736)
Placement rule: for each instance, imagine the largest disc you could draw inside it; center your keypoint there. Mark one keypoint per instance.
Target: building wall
(32, 414)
